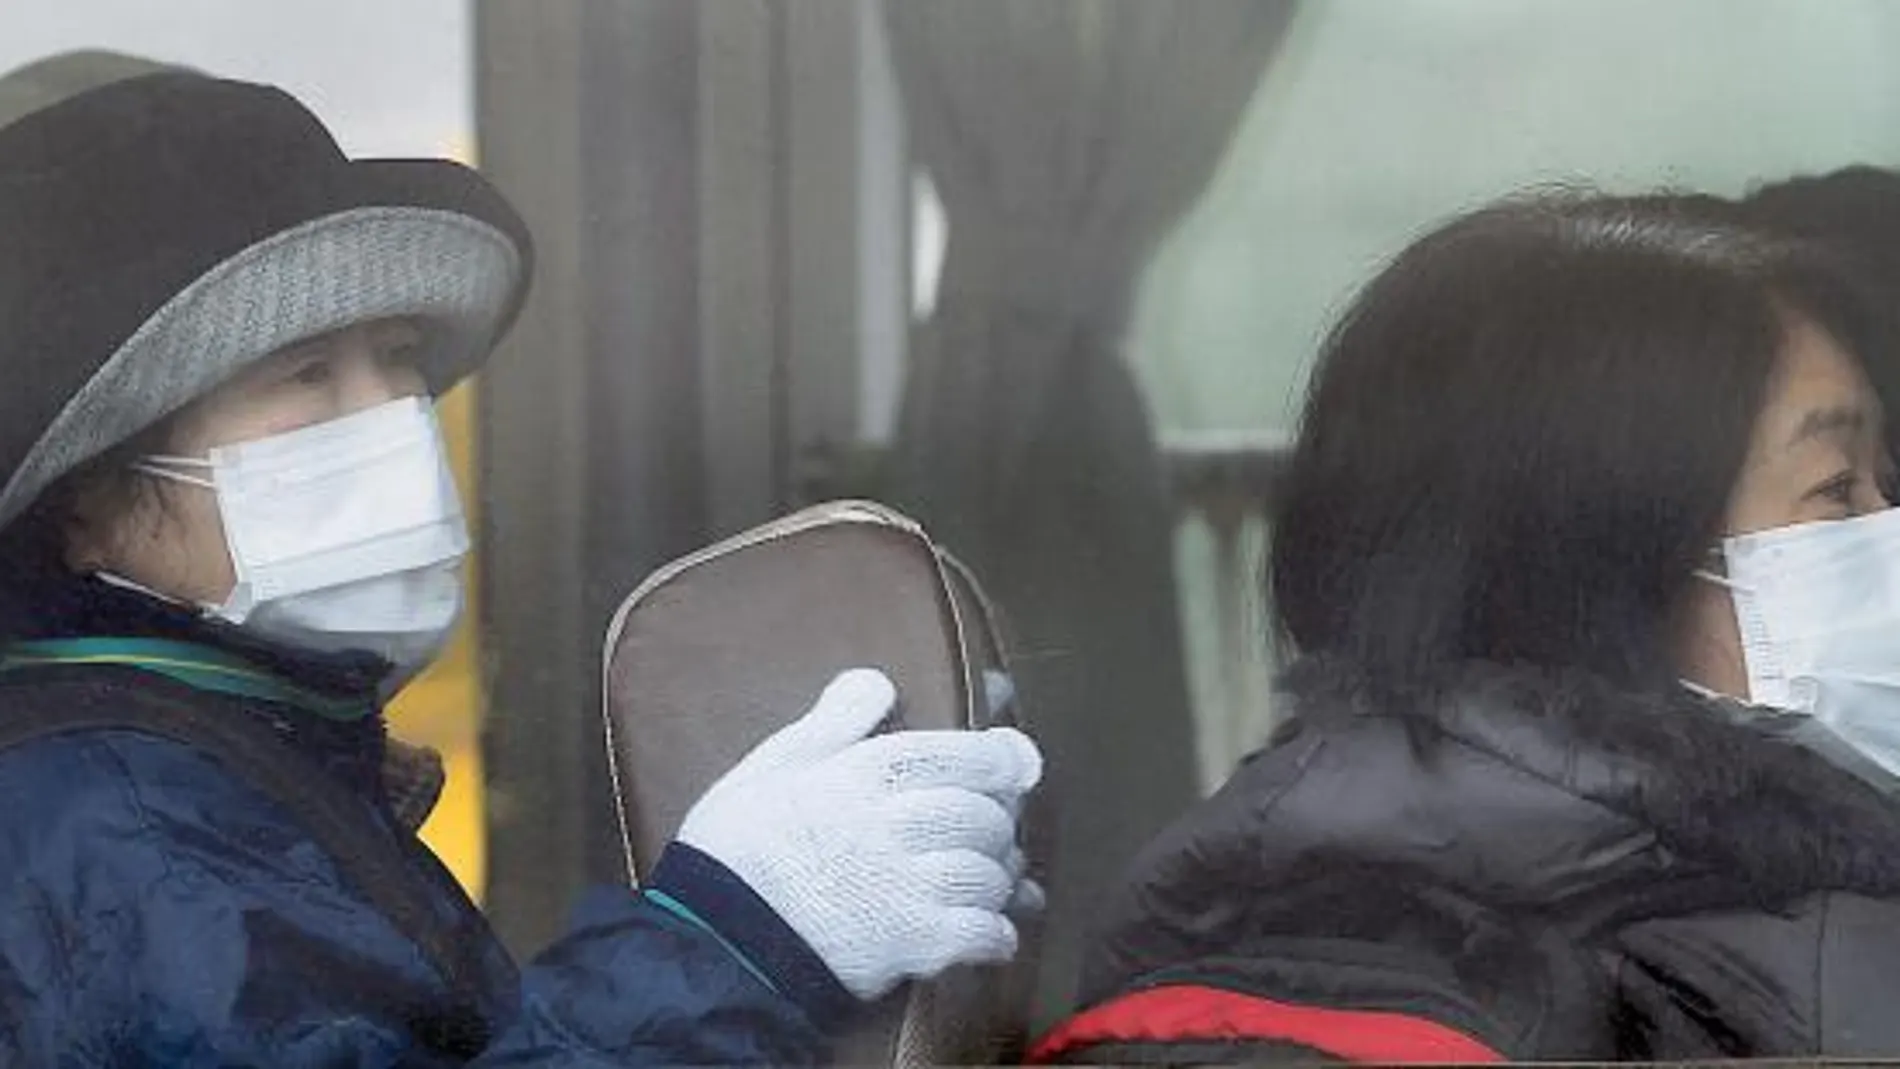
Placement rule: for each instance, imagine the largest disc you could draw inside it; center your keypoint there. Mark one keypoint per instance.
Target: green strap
(188, 663)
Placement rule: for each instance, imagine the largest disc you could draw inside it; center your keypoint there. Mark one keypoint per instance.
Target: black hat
(162, 232)
(51, 79)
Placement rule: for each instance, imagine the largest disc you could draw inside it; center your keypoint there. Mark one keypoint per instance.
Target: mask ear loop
(1709, 575)
(114, 579)
(151, 466)
(1718, 559)
(1757, 648)
(1707, 694)
(1702, 691)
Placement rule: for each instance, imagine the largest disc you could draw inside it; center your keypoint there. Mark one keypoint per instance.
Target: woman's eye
(1839, 491)
(312, 373)
(404, 352)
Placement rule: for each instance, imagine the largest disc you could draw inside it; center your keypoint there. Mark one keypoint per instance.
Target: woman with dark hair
(1593, 589)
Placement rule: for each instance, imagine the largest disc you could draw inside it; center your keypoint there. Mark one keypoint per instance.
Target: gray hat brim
(457, 272)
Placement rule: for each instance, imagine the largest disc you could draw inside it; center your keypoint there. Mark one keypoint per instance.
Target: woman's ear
(1709, 641)
(84, 530)
(90, 512)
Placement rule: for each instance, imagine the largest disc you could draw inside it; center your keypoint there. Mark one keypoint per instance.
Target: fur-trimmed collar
(1484, 798)
(1533, 794)
(1712, 785)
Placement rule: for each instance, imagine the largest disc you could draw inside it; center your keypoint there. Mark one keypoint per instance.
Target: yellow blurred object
(443, 707)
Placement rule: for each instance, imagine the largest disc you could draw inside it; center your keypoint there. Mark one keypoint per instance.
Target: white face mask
(345, 535)
(1818, 608)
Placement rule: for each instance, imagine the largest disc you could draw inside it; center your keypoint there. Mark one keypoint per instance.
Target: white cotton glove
(893, 856)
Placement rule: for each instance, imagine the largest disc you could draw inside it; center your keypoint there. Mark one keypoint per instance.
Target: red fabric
(1189, 1012)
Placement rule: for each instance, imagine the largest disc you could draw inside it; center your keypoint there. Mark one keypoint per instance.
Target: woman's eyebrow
(1820, 422)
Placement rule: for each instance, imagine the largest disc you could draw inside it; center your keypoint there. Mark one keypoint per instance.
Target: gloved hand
(893, 856)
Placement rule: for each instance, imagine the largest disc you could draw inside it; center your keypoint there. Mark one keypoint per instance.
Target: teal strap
(188, 663)
(679, 909)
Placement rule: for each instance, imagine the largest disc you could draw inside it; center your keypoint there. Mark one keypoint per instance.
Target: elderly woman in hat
(227, 531)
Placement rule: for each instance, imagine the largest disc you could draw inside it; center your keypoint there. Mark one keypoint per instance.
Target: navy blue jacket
(158, 909)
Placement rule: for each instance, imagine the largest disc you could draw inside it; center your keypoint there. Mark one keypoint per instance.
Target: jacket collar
(202, 666)
(1725, 789)
(40, 600)
(1535, 794)
(46, 608)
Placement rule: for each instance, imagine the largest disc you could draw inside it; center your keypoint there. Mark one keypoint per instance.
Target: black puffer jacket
(1508, 864)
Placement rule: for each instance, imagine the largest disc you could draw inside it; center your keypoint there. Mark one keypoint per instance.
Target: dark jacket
(1507, 864)
(159, 908)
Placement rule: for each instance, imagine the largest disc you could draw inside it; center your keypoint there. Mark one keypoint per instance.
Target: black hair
(1852, 214)
(1521, 439)
(1855, 210)
(38, 537)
